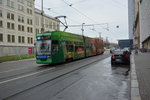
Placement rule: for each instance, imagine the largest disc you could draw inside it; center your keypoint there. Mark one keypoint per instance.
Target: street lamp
(82, 29)
(42, 29)
(83, 39)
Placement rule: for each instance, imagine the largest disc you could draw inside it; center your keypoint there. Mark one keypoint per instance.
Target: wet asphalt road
(88, 79)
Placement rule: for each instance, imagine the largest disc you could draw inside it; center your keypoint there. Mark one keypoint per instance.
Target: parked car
(120, 56)
(112, 49)
(127, 49)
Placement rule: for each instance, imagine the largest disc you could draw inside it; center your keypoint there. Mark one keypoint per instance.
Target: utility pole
(82, 29)
(83, 39)
(42, 29)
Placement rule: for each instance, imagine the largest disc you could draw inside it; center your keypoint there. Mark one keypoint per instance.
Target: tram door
(56, 52)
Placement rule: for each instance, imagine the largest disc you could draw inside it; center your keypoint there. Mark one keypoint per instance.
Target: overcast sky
(112, 12)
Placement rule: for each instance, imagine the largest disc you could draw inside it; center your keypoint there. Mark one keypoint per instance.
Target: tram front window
(43, 47)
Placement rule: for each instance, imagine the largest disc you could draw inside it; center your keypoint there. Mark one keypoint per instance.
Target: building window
(20, 19)
(13, 38)
(57, 26)
(29, 29)
(10, 25)
(29, 11)
(20, 8)
(21, 1)
(19, 39)
(19, 27)
(29, 4)
(1, 23)
(8, 38)
(29, 21)
(1, 37)
(10, 16)
(31, 40)
(28, 40)
(22, 28)
(37, 31)
(1, 1)
(50, 25)
(54, 26)
(1, 14)
(10, 3)
(22, 39)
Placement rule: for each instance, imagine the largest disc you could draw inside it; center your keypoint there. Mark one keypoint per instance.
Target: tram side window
(70, 48)
(54, 47)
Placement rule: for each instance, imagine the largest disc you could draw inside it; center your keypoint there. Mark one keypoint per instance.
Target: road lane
(14, 69)
(27, 75)
(96, 81)
(13, 88)
(101, 81)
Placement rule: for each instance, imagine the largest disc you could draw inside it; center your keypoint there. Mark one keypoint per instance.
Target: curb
(30, 59)
(135, 95)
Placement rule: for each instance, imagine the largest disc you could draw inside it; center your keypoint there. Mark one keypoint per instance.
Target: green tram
(57, 47)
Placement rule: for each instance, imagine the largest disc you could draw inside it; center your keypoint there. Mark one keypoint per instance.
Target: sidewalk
(140, 76)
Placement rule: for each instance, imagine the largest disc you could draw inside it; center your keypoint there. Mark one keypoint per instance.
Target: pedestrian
(136, 50)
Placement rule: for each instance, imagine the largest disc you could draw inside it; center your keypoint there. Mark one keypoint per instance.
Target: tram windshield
(43, 47)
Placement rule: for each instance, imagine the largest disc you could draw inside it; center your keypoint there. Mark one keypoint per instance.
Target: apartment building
(144, 12)
(50, 23)
(19, 23)
(136, 33)
(141, 29)
(131, 17)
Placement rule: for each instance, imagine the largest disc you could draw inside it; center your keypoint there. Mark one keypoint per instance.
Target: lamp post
(42, 29)
(82, 29)
(83, 39)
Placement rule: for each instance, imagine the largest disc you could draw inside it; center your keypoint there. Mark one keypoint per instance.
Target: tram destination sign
(43, 37)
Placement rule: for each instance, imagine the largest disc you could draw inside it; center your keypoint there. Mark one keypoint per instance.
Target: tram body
(57, 47)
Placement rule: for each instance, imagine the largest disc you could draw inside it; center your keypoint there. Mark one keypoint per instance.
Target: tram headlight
(48, 56)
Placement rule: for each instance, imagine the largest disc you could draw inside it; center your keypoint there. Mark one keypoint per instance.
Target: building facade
(131, 17)
(50, 23)
(19, 25)
(142, 24)
(144, 12)
(136, 35)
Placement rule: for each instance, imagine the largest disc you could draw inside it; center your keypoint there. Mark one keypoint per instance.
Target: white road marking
(31, 74)
(15, 69)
